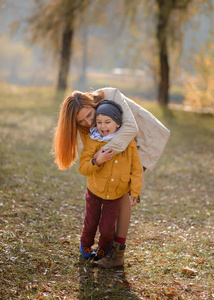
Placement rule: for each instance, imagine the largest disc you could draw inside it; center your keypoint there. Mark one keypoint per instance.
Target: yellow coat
(115, 177)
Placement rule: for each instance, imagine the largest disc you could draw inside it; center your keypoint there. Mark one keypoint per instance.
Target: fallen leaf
(200, 261)
(189, 272)
(65, 242)
(112, 283)
(170, 294)
(118, 274)
(83, 277)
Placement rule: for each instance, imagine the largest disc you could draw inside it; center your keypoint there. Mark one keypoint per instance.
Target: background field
(170, 246)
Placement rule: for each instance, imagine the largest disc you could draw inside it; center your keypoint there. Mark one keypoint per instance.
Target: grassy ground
(170, 246)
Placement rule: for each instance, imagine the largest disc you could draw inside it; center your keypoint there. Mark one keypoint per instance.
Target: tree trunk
(163, 84)
(82, 79)
(65, 57)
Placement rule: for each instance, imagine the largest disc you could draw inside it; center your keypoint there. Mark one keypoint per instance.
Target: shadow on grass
(97, 283)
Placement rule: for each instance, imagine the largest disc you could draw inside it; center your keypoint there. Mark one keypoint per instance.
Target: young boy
(108, 179)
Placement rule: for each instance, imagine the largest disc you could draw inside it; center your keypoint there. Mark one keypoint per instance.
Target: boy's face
(106, 125)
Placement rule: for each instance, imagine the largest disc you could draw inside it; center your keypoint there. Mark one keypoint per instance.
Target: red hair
(65, 144)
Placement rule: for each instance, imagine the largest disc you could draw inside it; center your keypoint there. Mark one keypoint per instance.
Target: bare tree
(165, 10)
(53, 24)
(169, 16)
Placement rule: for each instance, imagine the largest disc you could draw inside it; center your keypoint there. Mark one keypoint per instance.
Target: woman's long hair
(65, 146)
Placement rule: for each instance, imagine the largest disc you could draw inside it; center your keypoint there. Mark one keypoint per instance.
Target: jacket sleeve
(136, 173)
(86, 167)
(129, 128)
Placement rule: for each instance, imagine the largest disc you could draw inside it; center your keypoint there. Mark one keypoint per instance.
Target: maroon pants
(103, 213)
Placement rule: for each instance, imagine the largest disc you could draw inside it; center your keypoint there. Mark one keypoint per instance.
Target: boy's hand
(133, 201)
(103, 156)
(97, 153)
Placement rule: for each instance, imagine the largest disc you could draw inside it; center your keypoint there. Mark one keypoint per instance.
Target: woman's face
(86, 117)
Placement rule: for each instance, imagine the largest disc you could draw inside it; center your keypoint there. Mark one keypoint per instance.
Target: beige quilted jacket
(149, 133)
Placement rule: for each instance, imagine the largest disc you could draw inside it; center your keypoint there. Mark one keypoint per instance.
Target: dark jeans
(103, 213)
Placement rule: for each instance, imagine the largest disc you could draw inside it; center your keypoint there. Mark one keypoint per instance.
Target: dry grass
(170, 246)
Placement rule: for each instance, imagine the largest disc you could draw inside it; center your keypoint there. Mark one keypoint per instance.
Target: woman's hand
(133, 201)
(103, 156)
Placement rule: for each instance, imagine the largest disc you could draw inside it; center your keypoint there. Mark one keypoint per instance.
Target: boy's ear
(118, 125)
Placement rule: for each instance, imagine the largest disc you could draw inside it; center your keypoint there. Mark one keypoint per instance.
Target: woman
(78, 115)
